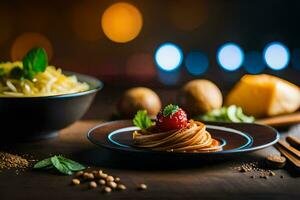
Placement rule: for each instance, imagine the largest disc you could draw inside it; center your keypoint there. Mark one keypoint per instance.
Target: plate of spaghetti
(172, 133)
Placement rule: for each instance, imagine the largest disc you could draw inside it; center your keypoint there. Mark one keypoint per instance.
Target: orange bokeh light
(27, 41)
(121, 22)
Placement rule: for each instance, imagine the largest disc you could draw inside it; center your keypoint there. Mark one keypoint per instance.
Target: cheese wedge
(264, 95)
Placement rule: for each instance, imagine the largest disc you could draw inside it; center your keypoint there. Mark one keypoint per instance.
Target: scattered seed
(142, 187)
(255, 170)
(102, 175)
(121, 187)
(112, 184)
(243, 169)
(107, 182)
(110, 178)
(102, 182)
(92, 184)
(94, 172)
(78, 174)
(97, 175)
(107, 189)
(271, 173)
(75, 181)
(88, 176)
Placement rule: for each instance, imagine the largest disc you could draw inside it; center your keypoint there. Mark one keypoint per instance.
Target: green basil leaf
(60, 166)
(70, 164)
(35, 61)
(170, 110)
(142, 120)
(49, 167)
(43, 163)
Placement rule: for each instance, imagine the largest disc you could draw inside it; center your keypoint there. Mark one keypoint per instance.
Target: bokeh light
(121, 22)
(230, 56)
(296, 59)
(141, 67)
(188, 15)
(169, 78)
(276, 55)
(27, 41)
(168, 57)
(254, 62)
(196, 63)
(85, 18)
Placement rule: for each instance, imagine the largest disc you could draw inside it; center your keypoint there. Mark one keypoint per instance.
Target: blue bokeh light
(168, 57)
(196, 63)
(296, 59)
(230, 56)
(276, 55)
(254, 62)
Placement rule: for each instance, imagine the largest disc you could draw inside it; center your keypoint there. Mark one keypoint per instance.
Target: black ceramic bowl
(31, 118)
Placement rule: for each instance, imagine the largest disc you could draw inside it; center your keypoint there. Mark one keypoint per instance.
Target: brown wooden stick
(289, 156)
(283, 120)
(293, 141)
(289, 148)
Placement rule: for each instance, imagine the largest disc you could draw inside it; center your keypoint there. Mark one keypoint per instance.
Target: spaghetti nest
(194, 138)
(50, 82)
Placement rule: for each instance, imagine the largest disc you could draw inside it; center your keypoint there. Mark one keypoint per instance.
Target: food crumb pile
(255, 170)
(11, 161)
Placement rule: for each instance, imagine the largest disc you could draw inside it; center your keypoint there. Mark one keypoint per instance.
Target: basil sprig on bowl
(35, 61)
(60, 164)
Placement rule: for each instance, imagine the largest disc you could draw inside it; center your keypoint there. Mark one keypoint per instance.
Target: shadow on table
(120, 160)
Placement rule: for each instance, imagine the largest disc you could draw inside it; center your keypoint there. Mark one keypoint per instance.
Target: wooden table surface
(166, 179)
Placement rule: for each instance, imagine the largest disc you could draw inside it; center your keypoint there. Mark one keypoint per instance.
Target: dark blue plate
(235, 137)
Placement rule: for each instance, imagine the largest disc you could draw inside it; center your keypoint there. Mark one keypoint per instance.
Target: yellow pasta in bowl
(50, 82)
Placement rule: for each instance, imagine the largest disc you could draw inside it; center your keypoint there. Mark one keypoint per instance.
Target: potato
(139, 98)
(200, 96)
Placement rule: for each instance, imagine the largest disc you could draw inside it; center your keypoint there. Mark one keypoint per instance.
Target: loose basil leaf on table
(43, 163)
(60, 166)
(72, 165)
